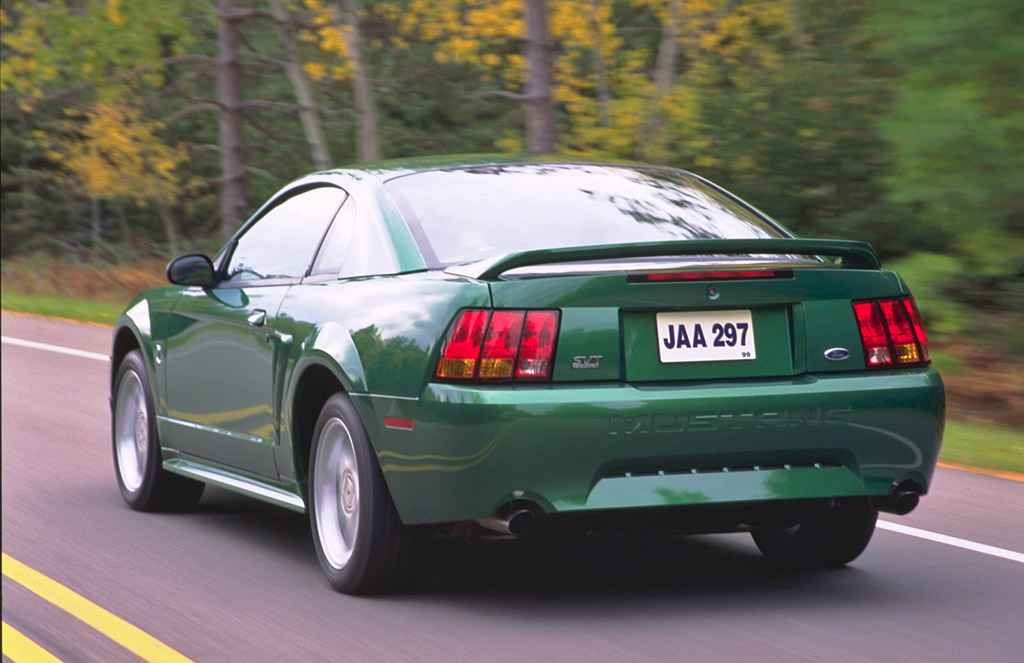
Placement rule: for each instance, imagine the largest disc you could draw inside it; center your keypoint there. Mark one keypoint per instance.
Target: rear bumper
(607, 446)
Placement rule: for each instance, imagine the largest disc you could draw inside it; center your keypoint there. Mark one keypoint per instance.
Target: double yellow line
(19, 648)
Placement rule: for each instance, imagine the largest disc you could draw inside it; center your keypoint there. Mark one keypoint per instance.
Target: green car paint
(622, 431)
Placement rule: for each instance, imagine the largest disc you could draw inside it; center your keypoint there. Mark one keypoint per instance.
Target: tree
(115, 154)
(509, 36)
(308, 110)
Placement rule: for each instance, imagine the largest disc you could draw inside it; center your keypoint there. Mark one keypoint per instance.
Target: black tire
(829, 540)
(143, 482)
(360, 541)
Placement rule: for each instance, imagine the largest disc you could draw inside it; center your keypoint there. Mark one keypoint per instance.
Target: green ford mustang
(477, 347)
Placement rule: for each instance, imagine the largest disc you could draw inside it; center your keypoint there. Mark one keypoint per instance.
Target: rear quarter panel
(377, 335)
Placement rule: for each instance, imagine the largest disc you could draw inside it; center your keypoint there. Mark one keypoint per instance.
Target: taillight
(872, 333)
(900, 331)
(462, 347)
(915, 319)
(538, 345)
(499, 345)
(891, 332)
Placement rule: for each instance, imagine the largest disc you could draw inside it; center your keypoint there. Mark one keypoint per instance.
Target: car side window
(336, 244)
(281, 243)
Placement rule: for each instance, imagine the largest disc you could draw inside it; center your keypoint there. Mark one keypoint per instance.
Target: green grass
(974, 445)
(61, 307)
(983, 446)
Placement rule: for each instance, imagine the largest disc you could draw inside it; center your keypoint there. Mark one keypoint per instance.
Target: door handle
(257, 318)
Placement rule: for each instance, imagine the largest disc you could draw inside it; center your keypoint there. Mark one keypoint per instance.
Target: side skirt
(239, 483)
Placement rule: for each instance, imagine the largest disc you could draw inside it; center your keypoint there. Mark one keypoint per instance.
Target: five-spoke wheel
(360, 541)
(336, 483)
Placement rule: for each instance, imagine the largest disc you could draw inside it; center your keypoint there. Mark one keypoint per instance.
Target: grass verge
(987, 447)
(85, 310)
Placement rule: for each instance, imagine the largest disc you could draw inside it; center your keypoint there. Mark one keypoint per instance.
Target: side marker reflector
(401, 424)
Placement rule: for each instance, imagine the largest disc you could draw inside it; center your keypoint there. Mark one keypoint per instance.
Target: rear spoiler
(852, 255)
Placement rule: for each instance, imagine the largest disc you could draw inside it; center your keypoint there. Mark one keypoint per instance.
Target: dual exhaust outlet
(518, 521)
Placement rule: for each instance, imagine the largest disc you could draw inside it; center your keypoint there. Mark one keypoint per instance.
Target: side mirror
(191, 269)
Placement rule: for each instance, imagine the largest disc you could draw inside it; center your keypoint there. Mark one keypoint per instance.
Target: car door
(222, 364)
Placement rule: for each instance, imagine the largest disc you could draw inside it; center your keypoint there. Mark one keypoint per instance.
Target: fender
(134, 321)
(142, 320)
(329, 347)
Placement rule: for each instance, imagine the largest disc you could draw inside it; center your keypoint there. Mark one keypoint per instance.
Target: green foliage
(927, 275)
(53, 45)
(957, 131)
(958, 122)
(897, 123)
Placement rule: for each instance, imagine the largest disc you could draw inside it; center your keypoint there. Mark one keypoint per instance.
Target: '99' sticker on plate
(705, 336)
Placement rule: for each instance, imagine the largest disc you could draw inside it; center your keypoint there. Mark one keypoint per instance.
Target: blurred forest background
(133, 130)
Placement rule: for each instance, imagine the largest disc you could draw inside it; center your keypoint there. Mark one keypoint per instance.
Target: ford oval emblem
(837, 354)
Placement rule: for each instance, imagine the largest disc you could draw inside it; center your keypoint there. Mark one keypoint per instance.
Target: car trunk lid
(719, 317)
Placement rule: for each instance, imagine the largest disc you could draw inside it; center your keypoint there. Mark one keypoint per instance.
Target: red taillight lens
(872, 333)
(538, 345)
(891, 332)
(900, 331)
(915, 319)
(462, 347)
(501, 345)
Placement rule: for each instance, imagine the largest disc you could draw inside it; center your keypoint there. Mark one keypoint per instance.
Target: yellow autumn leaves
(112, 152)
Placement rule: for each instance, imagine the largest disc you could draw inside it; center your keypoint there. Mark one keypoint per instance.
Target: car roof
(392, 168)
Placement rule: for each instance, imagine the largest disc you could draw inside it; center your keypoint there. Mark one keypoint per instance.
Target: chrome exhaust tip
(899, 503)
(516, 523)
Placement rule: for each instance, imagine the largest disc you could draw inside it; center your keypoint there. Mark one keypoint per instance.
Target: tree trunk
(667, 49)
(127, 236)
(347, 22)
(170, 228)
(97, 221)
(540, 110)
(300, 84)
(799, 39)
(604, 95)
(652, 139)
(232, 143)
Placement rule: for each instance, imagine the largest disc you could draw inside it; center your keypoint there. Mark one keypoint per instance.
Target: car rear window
(472, 213)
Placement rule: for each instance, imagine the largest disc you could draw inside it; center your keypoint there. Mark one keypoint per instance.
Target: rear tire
(828, 540)
(143, 482)
(360, 541)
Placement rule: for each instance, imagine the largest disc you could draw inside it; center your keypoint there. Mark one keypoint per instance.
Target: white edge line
(953, 541)
(54, 348)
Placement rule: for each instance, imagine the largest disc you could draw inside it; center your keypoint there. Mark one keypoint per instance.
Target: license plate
(705, 336)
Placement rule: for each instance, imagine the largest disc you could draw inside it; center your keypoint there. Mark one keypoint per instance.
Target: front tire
(829, 540)
(143, 482)
(360, 541)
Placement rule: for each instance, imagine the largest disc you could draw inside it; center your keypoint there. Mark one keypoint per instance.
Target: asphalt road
(237, 580)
